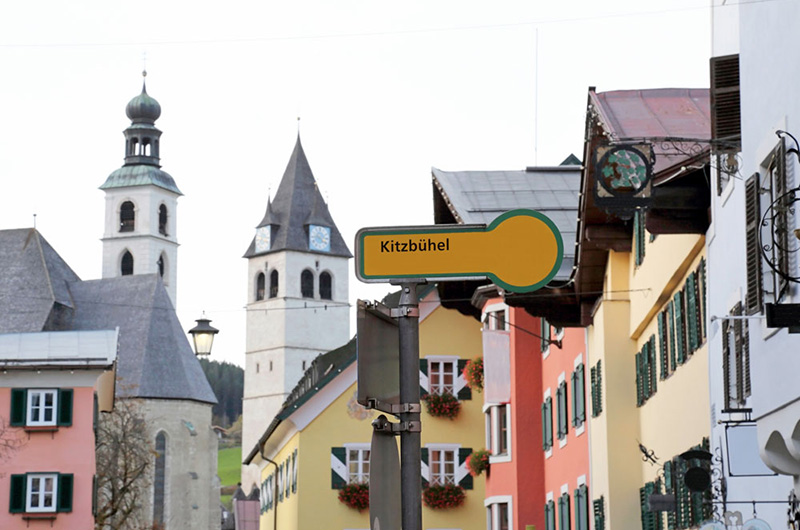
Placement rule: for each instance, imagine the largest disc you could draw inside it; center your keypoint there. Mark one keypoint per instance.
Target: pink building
(52, 386)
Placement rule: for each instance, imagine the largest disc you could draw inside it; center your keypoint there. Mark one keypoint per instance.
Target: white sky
(384, 92)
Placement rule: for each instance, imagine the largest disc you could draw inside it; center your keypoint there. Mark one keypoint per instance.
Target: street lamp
(203, 336)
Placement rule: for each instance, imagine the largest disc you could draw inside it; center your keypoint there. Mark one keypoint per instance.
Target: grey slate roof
(33, 282)
(140, 175)
(39, 292)
(478, 197)
(298, 203)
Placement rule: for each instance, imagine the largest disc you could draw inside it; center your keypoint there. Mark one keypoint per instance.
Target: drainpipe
(275, 493)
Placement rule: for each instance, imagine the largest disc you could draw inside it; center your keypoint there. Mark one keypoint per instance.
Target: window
(159, 478)
(260, 286)
(273, 284)
(442, 376)
(753, 258)
(160, 264)
(638, 237)
(499, 515)
(725, 103)
(563, 512)
(126, 266)
(646, 375)
(127, 217)
(597, 389)
(550, 515)
(692, 508)
(735, 359)
(547, 423)
(496, 320)
(41, 493)
(598, 505)
(325, 286)
(578, 399)
(561, 411)
(162, 220)
(497, 417)
(651, 520)
(776, 240)
(358, 465)
(41, 407)
(581, 508)
(307, 284)
(442, 466)
(544, 332)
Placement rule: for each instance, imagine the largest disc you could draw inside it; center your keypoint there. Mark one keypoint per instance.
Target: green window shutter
(651, 347)
(547, 423)
(638, 234)
(593, 389)
(463, 453)
(581, 508)
(680, 332)
(645, 360)
(65, 483)
(94, 495)
(673, 363)
(578, 396)
(564, 512)
(550, 516)
(703, 294)
(669, 487)
(294, 471)
(662, 342)
(17, 501)
(423, 454)
(65, 407)
(561, 411)
(466, 391)
(280, 483)
(691, 312)
(545, 333)
(639, 387)
(598, 506)
(19, 397)
(338, 467)
(599, 387)
(423, 368)
(645, 513)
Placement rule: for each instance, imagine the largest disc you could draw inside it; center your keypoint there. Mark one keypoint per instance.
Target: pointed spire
(270, 218)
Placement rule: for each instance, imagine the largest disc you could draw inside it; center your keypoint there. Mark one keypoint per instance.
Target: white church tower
(141, 203)
(297, 295)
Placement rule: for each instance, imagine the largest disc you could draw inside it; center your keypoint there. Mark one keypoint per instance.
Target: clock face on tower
(262, 238)
(319, 238)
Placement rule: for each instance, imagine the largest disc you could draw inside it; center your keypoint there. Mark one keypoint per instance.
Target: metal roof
(140, 175)
(72, 349)
(478, 197)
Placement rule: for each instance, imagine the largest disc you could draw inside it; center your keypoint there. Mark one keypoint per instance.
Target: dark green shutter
(578, 396)
(94, 495)
(673, 363)
(17, 501)
(547, 423)
(593, 389)
(669, 487)
(563, 512)
(545, 333)
(423, 367)
(95, 413)
(703, 294)
(65, 407)
(662, 342)
(652, 364)
(294, 471)
(19, 397)
(550, 515)
(65, 483)
(598, 505)
(466, 392)
(581, 508)
(561, 411)
(340, 454)
(691, 312)
(463, 453)
(639, 386)
(638, 235)
(680, 333)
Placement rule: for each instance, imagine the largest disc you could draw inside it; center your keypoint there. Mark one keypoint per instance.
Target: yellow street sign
(519, 251)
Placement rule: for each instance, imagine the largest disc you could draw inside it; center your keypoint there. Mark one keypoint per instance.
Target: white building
(755, 398)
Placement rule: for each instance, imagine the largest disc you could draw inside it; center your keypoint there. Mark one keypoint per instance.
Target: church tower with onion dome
(141, 203)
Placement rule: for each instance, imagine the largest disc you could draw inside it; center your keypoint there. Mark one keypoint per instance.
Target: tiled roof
(478, 197)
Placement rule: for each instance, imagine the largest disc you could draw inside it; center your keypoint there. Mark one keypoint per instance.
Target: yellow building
(319, 441)
(641, 281)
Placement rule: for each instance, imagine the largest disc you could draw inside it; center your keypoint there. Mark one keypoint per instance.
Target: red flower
(442, 405)
(355, 496)
(473, 373)
(478, 462)
(443, 497)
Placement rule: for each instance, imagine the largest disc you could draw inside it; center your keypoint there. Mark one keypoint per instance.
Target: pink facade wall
(68, 450)
(571, 461)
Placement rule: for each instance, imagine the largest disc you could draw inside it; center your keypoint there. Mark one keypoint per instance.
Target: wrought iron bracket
(404, 311)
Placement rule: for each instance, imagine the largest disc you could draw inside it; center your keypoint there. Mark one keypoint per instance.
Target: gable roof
(40, 292)
(297, 204)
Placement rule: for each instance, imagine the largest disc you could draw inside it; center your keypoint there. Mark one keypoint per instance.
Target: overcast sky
(385, 91)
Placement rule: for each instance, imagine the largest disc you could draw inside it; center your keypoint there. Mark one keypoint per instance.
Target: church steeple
(141, 203)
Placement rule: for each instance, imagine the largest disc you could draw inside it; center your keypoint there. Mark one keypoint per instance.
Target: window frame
(363, 452)
(29, 407)
(440, 388)
(127, 216)
(29, 478)
(307, 281)
(325, 289)
(443, 478)
(493, 507)
(495, 440)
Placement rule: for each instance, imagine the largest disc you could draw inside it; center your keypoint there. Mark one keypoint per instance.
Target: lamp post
(203, 336)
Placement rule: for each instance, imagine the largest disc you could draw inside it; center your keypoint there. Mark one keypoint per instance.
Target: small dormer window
(126, 268)
(162, 220)
(127, 217)
(326, 286)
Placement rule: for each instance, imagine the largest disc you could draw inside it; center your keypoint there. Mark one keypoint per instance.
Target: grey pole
(410, 468)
